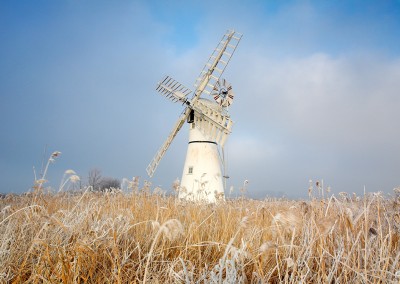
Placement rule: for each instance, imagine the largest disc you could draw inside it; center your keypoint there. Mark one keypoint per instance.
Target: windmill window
(190, 171)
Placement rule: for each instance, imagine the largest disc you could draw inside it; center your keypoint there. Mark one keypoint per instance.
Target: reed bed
(147, 237)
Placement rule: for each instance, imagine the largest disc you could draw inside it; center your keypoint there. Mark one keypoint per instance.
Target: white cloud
(320, 96)
(325, 111)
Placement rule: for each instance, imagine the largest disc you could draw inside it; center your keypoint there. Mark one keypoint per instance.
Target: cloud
(335, 114)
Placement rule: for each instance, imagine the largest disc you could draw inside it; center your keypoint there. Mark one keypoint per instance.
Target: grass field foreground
(146, 237)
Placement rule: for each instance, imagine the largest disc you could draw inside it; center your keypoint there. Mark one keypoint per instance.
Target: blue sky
(316, 83)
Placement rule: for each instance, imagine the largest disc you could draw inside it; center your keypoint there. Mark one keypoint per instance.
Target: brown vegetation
(148, 238)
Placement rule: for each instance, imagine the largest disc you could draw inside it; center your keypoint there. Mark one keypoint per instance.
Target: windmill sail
(151, 168)
(218, 61)
(173, 90)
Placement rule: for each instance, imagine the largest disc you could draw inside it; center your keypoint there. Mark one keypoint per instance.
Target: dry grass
(147, 238)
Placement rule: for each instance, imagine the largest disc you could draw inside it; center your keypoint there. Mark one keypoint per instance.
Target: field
(146, 237)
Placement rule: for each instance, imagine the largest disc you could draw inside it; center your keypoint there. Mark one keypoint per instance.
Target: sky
(316, 91)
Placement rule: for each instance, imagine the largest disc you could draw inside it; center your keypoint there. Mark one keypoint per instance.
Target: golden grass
(147, 238)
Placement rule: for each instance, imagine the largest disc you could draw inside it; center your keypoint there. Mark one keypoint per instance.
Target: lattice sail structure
(223, 54)
(151, 168)
(173, 90)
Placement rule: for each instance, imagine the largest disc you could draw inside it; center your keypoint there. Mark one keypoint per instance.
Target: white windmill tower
(209, 124)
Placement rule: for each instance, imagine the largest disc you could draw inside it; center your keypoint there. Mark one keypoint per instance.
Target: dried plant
(38, 183)
(141, 237)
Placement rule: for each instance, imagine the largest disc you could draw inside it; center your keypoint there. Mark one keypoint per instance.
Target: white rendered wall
(204, 183)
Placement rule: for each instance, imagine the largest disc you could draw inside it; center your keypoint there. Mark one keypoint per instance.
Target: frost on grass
(147, 237)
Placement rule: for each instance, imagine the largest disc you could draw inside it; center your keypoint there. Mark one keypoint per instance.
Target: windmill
(209, 124)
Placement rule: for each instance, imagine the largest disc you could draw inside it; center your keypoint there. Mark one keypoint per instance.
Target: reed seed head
(74, 178)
